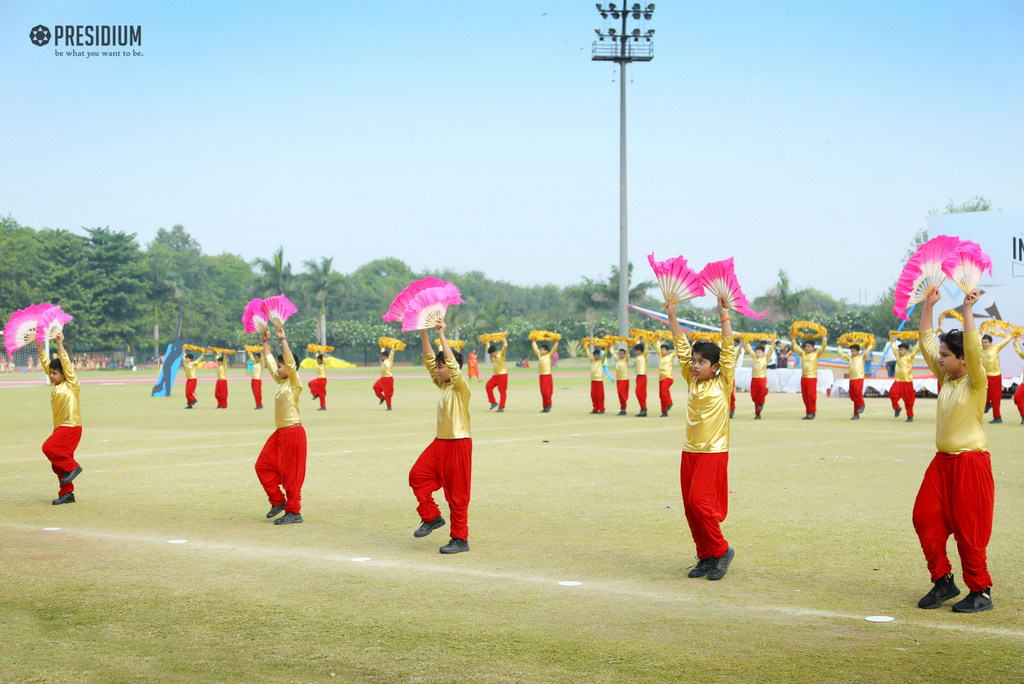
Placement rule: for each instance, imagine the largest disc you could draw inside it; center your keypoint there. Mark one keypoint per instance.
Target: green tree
(321, 283)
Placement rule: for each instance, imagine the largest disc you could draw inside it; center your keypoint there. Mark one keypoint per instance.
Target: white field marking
(621, 587)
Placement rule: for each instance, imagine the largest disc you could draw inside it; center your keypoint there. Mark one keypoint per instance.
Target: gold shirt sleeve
(684, 352)
(222, 368)
(271, 367)
(430, 363)
(665, 364)
(641, 362)
(452, 403)
(1016, 346)
(498, 359)
(64, 396)
(286, 397)
(990, 357)
(707, 409)
(961, 403)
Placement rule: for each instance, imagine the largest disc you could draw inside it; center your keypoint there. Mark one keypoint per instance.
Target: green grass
(819, 517)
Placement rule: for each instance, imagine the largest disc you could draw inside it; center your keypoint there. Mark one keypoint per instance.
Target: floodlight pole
(642, 52)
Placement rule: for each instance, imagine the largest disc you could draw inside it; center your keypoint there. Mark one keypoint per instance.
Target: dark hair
(903, 345)
(954, 341)
(257, 355)
(708, 350)
(280, 359)
(492, 349)
(319, 357)
(439, 357)
(666, 345)
(808, 342)
(855, 346)
(220, 358)
(987, 337)
(57, 365)
(544, 347)
(385, 353)
(189, 356)
(597, 350)
(759, 347)
(638, 347)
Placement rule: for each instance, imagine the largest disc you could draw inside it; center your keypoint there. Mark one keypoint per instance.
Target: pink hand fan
(966, 264)
(278, 309)
(254, 319)
(922, 272)
(429, 306)
(50, 323)
(678, 281)
(21, 327)
(719, 278)
(405, 297)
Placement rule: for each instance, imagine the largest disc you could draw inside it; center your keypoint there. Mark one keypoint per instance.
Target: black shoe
(380, 402)
(494, 405)
(668, 408)
(1022, 420)
(69, 476)
(188, 406)
(898, 412)
(702, 567)
(758, 408)
(322, 409)
(546, 409)
(622, 412)
(732, 412)
(809, 416)
(910, 419)
(259, 408)
(988, 408)
(455, 546)
(426, 528)
(995, 421)
(288, 519)
(593, 412)
(975, 602)
(720, 566)
(943, 590)
(64, 498)
(642, 414)
(860, 409)
(757, 416)
(501, 409)
(855, 416)
(664, 414)
(276, 510)
(389, 408)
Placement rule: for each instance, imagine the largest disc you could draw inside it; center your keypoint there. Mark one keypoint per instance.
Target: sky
(807, 136)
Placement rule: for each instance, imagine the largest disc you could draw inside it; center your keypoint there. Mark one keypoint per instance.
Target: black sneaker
(494, 405)
(943, 590)
(380, 402)
(855, 416)
(757, 416)
(758, 407)
(910, 419)
(1022, 420)
(455, 546)
(720, 566)
(732, 412)
(995, 421)
(546, 409)
(988, 408)
(975, 602)
(664, 414)
(898, 412)
(276, 510)
(642, 414)
(71, 475)
(426, 528)
(501, 409)
(64, 498)
(702, 567)
(809, 416)
(188, 406)
(288, 519)
(622, 412)
(389, 408)
(861, 409)
(594, 412)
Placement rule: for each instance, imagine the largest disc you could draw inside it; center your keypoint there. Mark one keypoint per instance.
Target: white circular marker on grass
(879, 618)
(51, 529)
(570, 583)
(358, 560)
(177, 541)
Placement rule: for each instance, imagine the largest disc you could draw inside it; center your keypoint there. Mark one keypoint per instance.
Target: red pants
(318, 388)
(384, 388)
(641, 391)
(704, 480)
(190, 391)
(957, 497)
(597, 395)
(732, 397)
(60, 447)
(758, 393)
(857, 394)
(445, 464)
(622, 387)
(220, 393)
(282, 463)
(257, 391)
(904, 390)
(1018, 398)
(995, 394)
(809, 391)
(546, 389)
(501, 383)
(665, 394)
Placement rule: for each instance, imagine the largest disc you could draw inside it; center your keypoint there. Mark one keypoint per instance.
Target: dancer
(758, 377)
(318, 387)
(957, 494)
(256, 359)
(903, 385)
(621, 378)
(60, 446)
(990, 359)
(856, 360)
(809, 357)
(709, 371)
(190, 364)
(472, 368)
(596, 380)
(544, 355)
(220, 390)
(282, 462)
(1018, 396)
(640, 349)
(448, 462)
(499, 380)
(384, 388)
(666, 365)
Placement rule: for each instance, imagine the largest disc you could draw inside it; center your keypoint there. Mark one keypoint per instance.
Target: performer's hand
(972, 297)
(440, 325)
(280, 332)
(933, 295)
(39, 346)
(59, 337)
(266, 335)
(723, 308)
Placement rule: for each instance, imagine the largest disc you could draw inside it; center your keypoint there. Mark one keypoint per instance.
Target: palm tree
(321, 283)
(275, 276)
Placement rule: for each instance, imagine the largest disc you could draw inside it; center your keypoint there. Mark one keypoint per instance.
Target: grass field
(820, 517)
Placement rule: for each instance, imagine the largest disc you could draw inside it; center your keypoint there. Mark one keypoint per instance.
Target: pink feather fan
(50, 323)
(429, 306)
(21, 327)
(719, 279)
(278, 309)
(254, 319)
(397, 310)
(966, 264)
(922, 272)
(678, 281)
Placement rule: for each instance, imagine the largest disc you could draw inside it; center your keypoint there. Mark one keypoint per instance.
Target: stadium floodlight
(624, 51)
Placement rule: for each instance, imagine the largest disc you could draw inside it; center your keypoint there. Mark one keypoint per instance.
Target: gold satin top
(544, 360)
(286, 396)
(990, 357)
(641, 361)
(452, 402)
(385, 365)
(809, 362)
(596, 369)
(63, 396)
(498, 359)
(760, 367)
(707, 411)
(222, 367)
(1016, 346)
(856, 364)
(191, 366)
(621, 368)
(257, 366)
(905, 365)
(321, 369)
(961, 404)
(665, 366)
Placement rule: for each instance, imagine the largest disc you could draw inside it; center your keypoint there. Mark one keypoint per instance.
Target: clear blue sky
(808, 136)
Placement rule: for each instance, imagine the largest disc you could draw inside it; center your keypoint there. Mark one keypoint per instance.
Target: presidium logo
(76, 36)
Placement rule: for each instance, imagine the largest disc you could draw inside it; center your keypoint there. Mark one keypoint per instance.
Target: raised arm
(723, 314)
(536, 349)
(268, 356)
